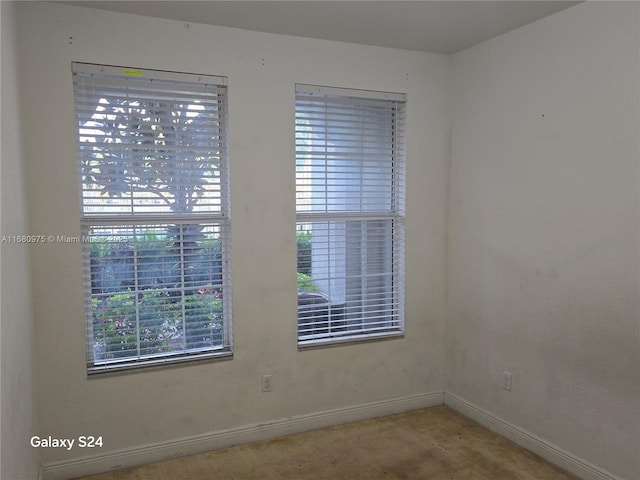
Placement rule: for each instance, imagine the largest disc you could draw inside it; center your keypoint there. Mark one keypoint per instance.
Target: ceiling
(429, 26)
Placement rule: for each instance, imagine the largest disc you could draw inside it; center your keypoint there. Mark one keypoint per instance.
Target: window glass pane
(342, 157)
(346, 278)
(146, 150)
(155, 290)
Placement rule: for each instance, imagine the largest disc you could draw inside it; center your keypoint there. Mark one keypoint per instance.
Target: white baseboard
(156, 452)
(530, 441)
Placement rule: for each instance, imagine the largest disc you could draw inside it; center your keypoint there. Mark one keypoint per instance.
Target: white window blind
(350, 214)
(153, 169)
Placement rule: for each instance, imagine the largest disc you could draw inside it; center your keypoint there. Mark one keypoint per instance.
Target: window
(350, 214)
(153, 168)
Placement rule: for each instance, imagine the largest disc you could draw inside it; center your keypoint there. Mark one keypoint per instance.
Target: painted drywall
(262, 69)
(544, 251)
(18, 460)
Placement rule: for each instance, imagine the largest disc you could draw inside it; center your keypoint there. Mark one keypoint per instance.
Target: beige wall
(544, 251)
(155, 406)
(18, 460)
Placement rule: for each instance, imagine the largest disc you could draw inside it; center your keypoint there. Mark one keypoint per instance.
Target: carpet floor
(432, 444)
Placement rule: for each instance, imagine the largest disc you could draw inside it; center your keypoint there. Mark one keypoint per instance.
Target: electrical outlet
(267, 383)
(506, 381)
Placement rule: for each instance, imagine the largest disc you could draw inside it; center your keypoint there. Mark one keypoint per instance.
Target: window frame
(391, 215)
(210, 221)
